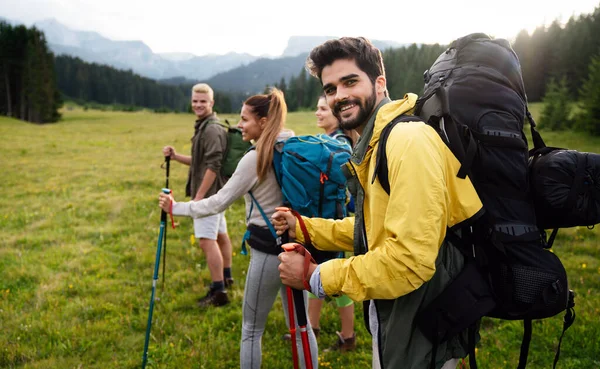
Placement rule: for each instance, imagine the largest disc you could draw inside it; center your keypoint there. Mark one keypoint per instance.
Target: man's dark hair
(367, 57)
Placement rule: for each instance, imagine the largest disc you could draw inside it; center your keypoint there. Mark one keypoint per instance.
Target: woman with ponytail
(262, 121)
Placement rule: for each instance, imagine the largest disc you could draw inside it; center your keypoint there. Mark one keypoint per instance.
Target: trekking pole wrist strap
(305, 234)
(171, 215)
(306, 264)
(307, 256)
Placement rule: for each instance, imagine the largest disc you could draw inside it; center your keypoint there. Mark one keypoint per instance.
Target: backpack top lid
(308, 171)
(488, 64)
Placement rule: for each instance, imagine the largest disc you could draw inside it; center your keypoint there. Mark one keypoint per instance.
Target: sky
(263, 27)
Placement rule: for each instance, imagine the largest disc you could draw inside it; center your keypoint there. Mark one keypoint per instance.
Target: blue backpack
(308, 171)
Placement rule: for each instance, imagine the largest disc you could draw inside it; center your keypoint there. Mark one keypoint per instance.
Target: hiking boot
(288, 337)
(228, 282)
(214, 298)
(342, 344)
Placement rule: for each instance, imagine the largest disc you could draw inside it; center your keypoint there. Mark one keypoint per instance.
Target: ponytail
(276, 115)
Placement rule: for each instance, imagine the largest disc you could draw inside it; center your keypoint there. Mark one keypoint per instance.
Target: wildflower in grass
(192, 240)
(584, 265)
(70, 286)
(234, 253)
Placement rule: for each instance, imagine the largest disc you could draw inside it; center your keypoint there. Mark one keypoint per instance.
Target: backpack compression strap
(538, 141)
(381, 168)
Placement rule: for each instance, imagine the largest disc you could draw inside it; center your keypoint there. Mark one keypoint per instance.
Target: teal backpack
(308, 170)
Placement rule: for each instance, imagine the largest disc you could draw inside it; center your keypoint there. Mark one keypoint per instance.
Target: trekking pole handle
(163, 214)
(289, 247)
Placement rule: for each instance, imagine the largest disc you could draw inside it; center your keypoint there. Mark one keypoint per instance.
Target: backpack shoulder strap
(381, 168)
(265, 218)
(277, 159)
(215, 121)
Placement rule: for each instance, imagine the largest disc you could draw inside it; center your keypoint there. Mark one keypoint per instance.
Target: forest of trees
(27, 79)
(554, 52)
(90, 82)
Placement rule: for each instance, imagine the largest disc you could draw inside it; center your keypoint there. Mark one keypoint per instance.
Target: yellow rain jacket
(404, 234)
(404, 230)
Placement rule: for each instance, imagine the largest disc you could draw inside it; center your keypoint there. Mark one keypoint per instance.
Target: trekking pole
(292, 295)
(290, 301)
(298, 298)
(302, 323)
(167, 170)
(163, 222)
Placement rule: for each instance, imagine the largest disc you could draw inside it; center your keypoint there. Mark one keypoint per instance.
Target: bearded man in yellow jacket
(401, 260)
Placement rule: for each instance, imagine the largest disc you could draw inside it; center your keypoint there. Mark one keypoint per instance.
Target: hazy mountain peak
(175, 56)
(134, 54)
(58, 33)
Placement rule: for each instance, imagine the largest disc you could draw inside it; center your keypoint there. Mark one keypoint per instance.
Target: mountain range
(240, 72)
(251, 78)
(136, 55)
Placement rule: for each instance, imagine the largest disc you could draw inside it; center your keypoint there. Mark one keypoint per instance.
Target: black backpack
(475, 99)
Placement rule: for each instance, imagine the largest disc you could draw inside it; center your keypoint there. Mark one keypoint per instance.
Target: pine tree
(282, 86)
(589, 117)
(28, 84)
(556, 112)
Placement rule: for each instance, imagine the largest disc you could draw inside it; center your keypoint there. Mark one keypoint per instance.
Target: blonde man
(208, 147)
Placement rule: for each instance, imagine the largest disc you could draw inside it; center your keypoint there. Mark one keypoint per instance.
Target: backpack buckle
(323, 177)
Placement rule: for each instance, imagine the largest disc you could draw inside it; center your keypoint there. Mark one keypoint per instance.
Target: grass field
(78, 236)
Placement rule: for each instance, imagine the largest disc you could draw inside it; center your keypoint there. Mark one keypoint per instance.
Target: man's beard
(363, 111)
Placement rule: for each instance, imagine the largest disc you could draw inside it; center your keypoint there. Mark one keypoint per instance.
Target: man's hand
(283, 220)
(169, 151)
(164, 201)
(291, 269)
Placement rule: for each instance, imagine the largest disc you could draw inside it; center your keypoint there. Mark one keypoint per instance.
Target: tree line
(561, 67)
(27, 79)
(90, 82)
(554, 52)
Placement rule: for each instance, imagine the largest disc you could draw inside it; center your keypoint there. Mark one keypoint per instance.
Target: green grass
(78, 236)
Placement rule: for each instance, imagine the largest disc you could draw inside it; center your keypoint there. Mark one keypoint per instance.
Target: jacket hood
(391, 110)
